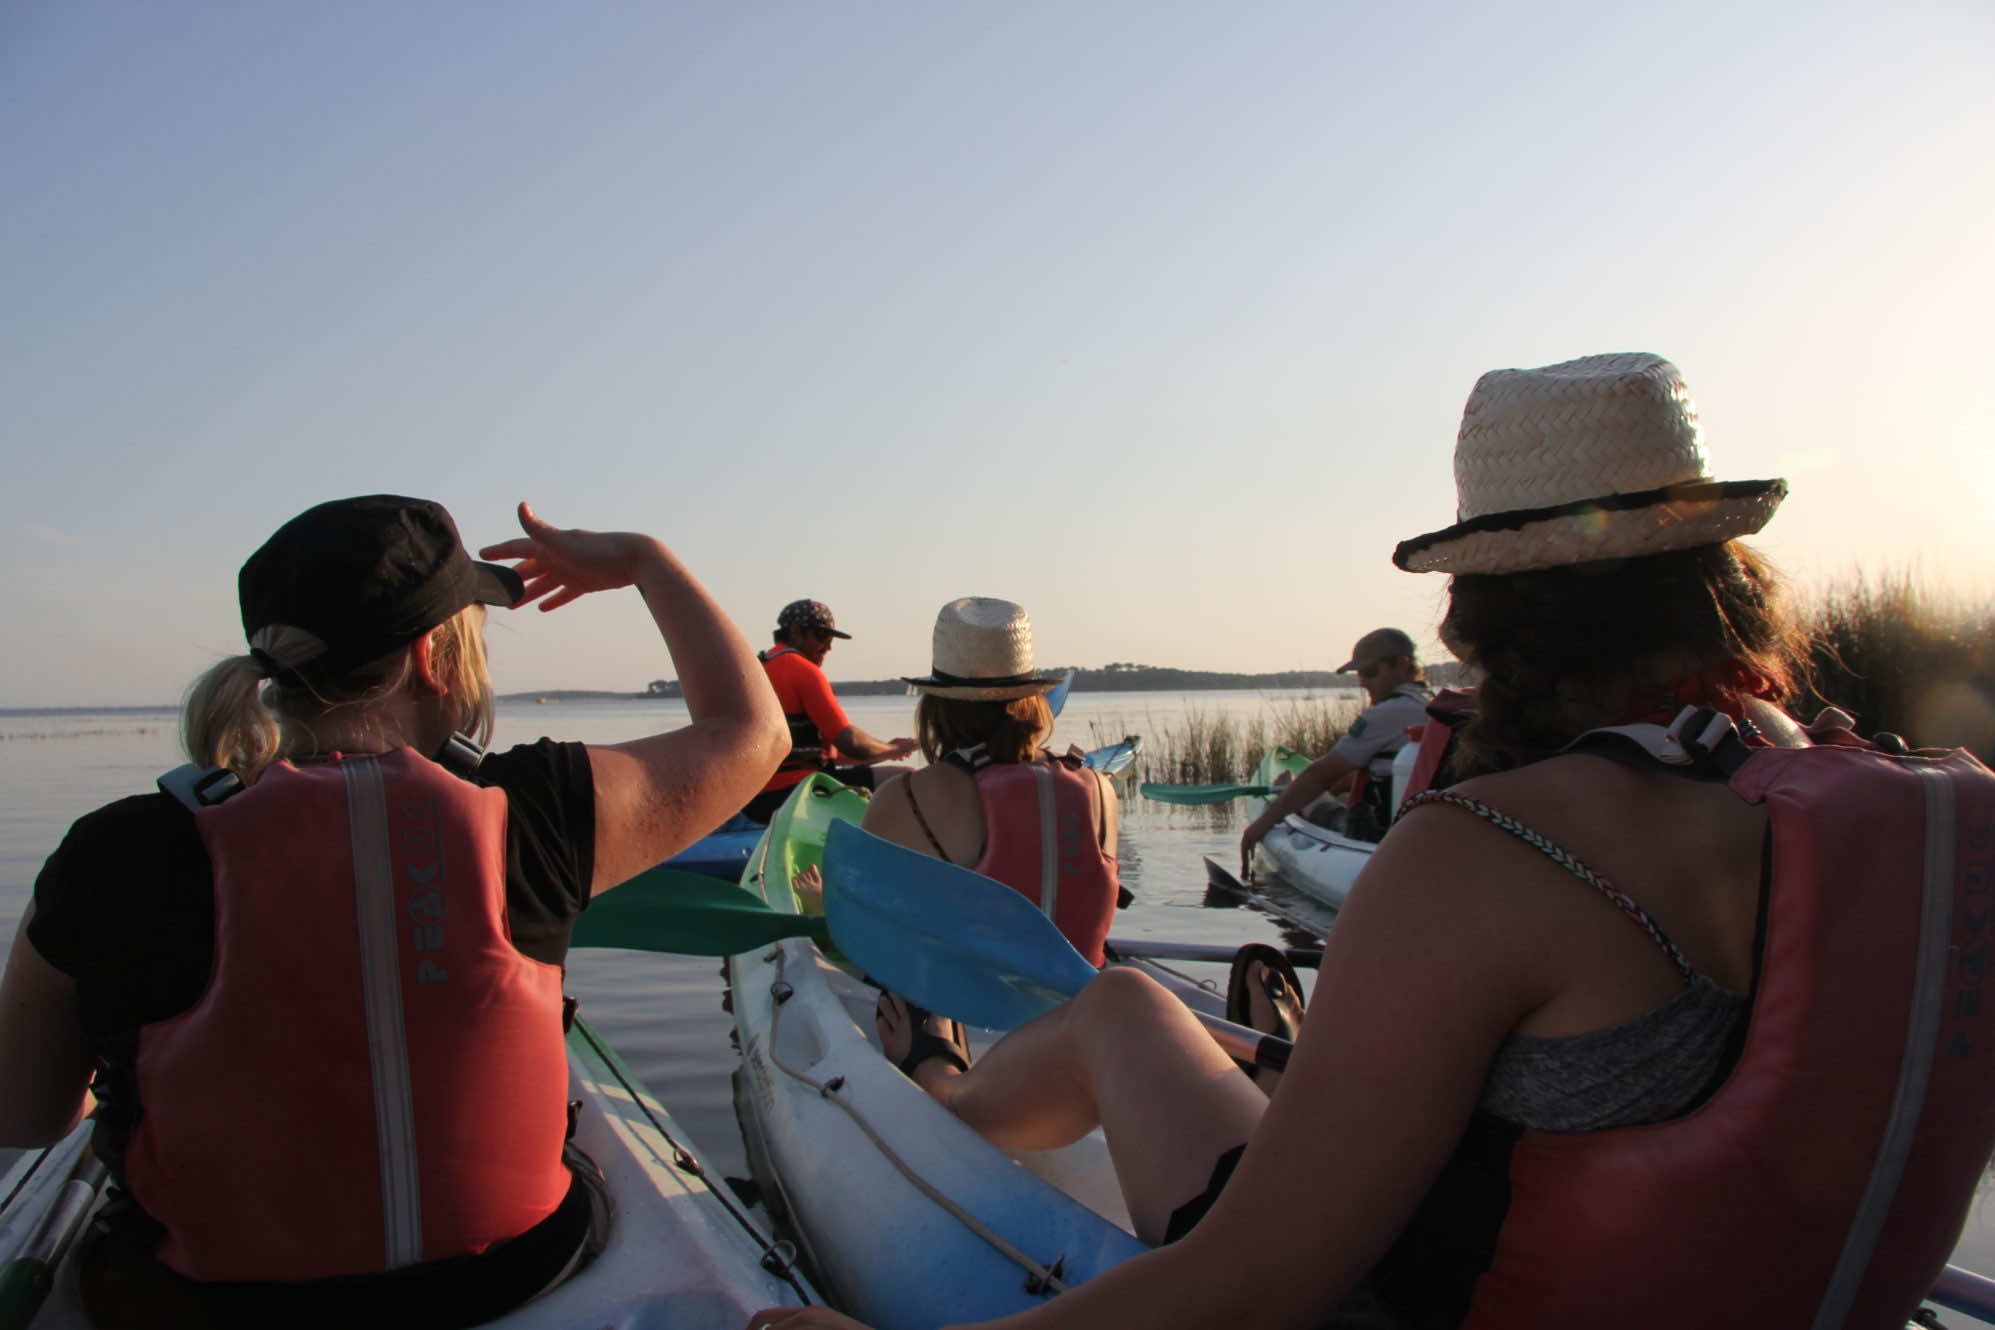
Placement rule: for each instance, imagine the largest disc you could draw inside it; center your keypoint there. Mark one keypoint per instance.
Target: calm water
(663, 1012)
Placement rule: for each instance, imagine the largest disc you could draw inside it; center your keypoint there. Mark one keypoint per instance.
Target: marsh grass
(1907, 660)
(1201, 747)
(1894, 655)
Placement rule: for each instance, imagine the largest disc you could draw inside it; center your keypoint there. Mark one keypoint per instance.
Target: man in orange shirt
(822, 737)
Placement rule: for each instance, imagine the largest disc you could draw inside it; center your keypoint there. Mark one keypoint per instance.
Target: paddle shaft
(1236, 1041)
(1247, 1045)
(1964, 1291)
(1201, 794)
(1158, 949)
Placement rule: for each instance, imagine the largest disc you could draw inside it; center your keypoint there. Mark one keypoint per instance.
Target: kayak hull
(1314, 860)
(681, 1253)
(1118, 759)
(825, 1116)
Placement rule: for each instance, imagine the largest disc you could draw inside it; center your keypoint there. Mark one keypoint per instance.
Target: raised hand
(565, 564)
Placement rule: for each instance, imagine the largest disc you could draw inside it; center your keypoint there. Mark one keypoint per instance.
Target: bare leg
(1126, 1055)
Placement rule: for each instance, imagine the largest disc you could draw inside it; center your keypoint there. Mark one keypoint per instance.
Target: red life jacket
(1824, 1183)
(374, 1077)
(807, 746)
(1041, 839)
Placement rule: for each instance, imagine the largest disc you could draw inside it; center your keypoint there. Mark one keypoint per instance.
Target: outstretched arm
(657, 795)
(862, 749)
(1329, 774)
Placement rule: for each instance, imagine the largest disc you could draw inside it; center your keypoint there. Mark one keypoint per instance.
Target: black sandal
(924, 1044)
(1257, 962)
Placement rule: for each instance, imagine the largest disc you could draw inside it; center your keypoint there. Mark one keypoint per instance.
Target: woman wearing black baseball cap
(319, 975)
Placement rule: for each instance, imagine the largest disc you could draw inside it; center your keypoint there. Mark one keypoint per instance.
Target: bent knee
(1121, 992)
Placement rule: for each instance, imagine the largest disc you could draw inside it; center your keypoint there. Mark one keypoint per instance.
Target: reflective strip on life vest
(381, 988)
(1916, 1068)
(1049, 840)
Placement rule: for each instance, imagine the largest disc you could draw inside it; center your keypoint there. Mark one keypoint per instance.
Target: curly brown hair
(1563, 650)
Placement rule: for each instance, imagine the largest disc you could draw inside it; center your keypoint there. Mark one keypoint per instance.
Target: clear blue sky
(1155, 317)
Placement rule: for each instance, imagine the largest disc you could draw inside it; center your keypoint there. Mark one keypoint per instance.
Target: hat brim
(496, 584)
(1612, 526)
(994, 690)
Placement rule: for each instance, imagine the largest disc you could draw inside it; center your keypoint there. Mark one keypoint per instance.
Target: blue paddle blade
(1055, 700)
(944, 937)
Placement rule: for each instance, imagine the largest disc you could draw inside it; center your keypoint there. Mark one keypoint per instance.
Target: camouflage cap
(809, 614)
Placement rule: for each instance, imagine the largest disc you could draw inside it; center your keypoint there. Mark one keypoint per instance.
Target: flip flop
(1257, 963)
(923, 1043)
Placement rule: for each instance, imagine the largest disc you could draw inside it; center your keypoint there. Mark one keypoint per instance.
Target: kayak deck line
(778, 1254)
(1042, 1276)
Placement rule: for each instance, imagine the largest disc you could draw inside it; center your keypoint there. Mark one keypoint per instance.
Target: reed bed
(1905, 659)
(1202, 747)
(1898, 657)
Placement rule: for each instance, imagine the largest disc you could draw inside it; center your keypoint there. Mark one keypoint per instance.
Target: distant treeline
(1896, 656)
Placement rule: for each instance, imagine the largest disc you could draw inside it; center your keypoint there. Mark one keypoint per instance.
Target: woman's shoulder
(113, 828)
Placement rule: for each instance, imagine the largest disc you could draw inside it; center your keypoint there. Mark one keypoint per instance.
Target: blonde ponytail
(235, 718)
(223, 722)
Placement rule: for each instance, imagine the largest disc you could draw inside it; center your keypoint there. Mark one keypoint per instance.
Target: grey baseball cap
(1378, 644)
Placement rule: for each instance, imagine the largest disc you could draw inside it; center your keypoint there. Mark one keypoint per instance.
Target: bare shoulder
(1688, 852)
(947, 801)
(1583, 800)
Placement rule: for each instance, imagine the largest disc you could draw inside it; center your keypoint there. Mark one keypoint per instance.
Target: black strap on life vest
(1700, 744)
(195, 787)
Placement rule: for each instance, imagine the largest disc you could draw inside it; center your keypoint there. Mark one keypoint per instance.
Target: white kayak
(1318, 862)
(681, 1252)
(908, 1217)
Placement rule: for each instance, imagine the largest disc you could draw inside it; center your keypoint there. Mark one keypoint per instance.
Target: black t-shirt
(126, 907)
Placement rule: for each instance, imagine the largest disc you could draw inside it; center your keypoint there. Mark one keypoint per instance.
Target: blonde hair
(1009, 730)
(233, 717)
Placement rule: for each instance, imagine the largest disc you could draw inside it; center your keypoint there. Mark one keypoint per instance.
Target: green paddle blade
(1200, 794)
(687, 914)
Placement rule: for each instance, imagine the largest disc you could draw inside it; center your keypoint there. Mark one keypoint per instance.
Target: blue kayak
(722, 852)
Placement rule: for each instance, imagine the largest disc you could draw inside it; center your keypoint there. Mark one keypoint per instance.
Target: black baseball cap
(364, 576)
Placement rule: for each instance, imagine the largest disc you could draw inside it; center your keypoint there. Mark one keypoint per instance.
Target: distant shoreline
(1119, 679)
(1140, 680)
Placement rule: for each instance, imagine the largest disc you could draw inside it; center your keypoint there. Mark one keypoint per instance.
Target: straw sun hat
(1596, 458)
(983, 653)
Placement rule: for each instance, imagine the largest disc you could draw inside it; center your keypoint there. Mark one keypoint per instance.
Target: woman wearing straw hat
(1682, 1025)
(992, 797)
(197, 948)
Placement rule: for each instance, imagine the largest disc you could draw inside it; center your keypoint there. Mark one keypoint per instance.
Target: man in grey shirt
(1389, 671)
